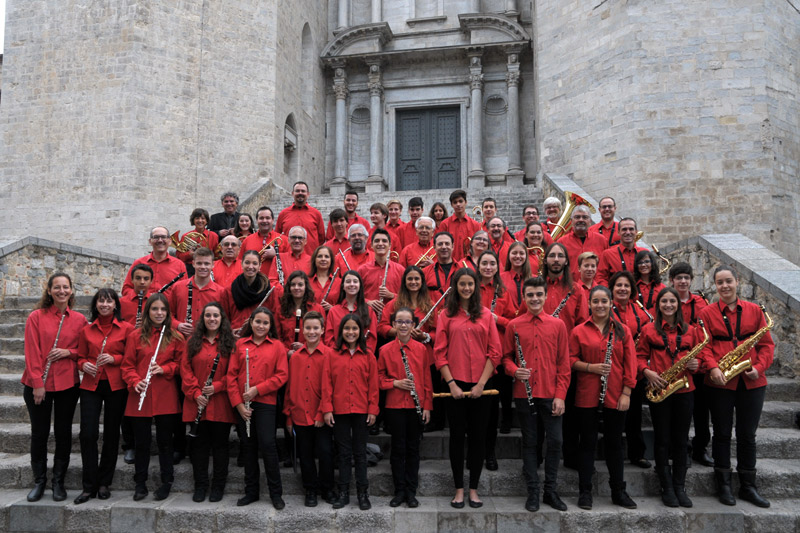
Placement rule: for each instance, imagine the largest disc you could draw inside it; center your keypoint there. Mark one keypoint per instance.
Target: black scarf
(245, 295)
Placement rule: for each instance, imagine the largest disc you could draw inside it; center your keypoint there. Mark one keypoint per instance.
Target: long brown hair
(566, 274)
(618, 329)
(526, 266)
(453, 304)
(147, 329)
(313, 270)
(287, 300)
(499, 286)
(226, 342)
(403, 298)
(46, 300)
(247, 329)
(680, 323)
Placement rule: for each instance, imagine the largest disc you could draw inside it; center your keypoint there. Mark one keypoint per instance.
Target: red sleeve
(765, 349)
(189, 384)
(509, 351)
(326, 401)
(574, 348)
(603, 271)
(564, 368)
(440, 346)
(176, 348)
(494, 348)
(385, 382)
(281, 371)
(83, 349)
(128, 367)
(643, 351)
(320, 227)
(372, 387)
(629, 361)
(34, 356)
(232, 379)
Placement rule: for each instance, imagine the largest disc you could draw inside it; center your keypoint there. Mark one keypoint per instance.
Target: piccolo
(490, 392)
(55, 345)
(201, 408)
(163, 289)
(430, 313)
(149, 375)
(328, 291)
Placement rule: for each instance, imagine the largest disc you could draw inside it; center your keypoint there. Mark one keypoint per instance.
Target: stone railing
(26, 264)
(265, 192)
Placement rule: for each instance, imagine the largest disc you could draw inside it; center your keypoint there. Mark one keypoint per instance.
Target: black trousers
(212, 439)
(748, 405)
(350, 432)
(570, 426)
(261, 440)
(142, 434)
(613, 424)
(63, 404)
(494, 416)
(702, 433)
(112, 404)
(127, 433)
(406, 430)
(468, 419)
(315, 442)
(438, 414)
(179, 428)
(530, 442)
(671, 421)
(505, 384)
(633, 423)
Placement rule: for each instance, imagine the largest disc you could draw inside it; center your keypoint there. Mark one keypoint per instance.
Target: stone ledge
(69, 248)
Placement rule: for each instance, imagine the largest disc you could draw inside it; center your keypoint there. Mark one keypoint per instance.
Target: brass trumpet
(425, 257)
(277, 241)
(396, 256)
(191, 241)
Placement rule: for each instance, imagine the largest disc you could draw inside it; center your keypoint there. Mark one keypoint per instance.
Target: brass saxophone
(670, 375)
(731, 363)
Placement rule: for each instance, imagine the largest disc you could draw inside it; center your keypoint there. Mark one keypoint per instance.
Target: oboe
(163, 289)
(189, 304)
(333, 278)
(139, 308)
(150, 368)
(55, 345)
(279, 265)
(523, 364)
(562, 304)
(410, 377)
(604, 378)
(430, 313)
(247, 386)
(298, 314)
(202, 408)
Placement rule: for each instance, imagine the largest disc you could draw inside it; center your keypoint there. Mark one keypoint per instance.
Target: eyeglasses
(358, 236)
(403, 322)
(646, 262)
(606, 207)
(230, 244)
(159, 237)
(296, 237)
(480, 239)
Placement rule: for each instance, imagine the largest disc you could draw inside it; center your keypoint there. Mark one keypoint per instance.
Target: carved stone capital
(374, 80)
(513, 78)
(476, 81)
(340, 84)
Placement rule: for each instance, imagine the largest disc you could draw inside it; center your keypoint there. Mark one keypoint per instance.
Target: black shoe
(83, 497)
(374, 430)
(398, 500)
(177, 457)
(216, 494)
(199, 495)
(311, 498)
(703, 458)
(329, 496)
(641, 463)
(363, 501)
(140, 493)
(247, 499)
(532, 503)
(162, 492)
(457, 505)
(412, 502)
(130, 456)
(550, 497)
(103, 493)
(343, 500)
(585, 500)
(277, 502)
(59, 493)
(722, 479)
(37, 491)
(475, 504)
(571, 465)
(621, 498)
(668, 496)
(748, 491)
(491, 463)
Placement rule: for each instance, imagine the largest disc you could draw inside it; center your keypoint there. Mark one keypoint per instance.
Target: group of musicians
(333, 336)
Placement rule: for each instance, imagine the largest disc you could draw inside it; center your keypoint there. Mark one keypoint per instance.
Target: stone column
(475, 6)
(375, 182)
(376, 10)
(477, 175)
(339, 183)
(343, 21)
(511, 8)
(515, 174)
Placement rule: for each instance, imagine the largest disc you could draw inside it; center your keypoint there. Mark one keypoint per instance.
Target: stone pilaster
(511, 8)
(343, 19)
(377, 15)
(375, 181)
(339, 183)
(515, 175)
(477, 176)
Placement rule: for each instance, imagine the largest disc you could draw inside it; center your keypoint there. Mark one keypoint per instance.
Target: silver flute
(383, 283)
(247, 386)
(55, 345)
(430, 313)
(333, 278)
(523, 364)
(410, 377)
(149, 375)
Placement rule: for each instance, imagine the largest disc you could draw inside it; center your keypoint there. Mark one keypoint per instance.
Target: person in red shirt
(338, 240)
(540, 388)
(101, 347)
(229, 265)
(395, 225)
(249, 290)
(265, 241)
(357, 254)
(607, 227)
(351, 216)
(132, 303)
(459, 224)
(303, 414)
(552, 210)
(658, 349)
(419, 251)
(204, 368)
(587, 270)
(438, 274)
(602, 354)
(517, 271)
(499, 237)
(199, 237)
(351, 300)
(730, 321)
(580, 239)
(245, 226)
(536, 240)
(530, 215)
(403, 373)
(478, 243)
(381, 276)
(488, 211)
(438, 213)
(50, 377)
(379, 216)
(680, 278)
(648, 282)
(165, 267)
(298, 296)
(302, 214)
(621, 256)
(409, 233)
(158, 395)
(324, 278)
(188, 297)
(466, 352)
(350, 404)
(297, 259)
(257, 370)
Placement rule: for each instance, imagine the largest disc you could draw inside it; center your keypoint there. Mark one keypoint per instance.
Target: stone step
(776, 478)
(12, 364)
(12, 345)
(782, 389)
(498, 514)
(12, 329)
(10, 384)
(12, 314)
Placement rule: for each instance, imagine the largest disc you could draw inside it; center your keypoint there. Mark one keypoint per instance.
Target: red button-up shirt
(161, 397)
(163, 272)
(350, 383)
(593, 242)
(307, 217)
(652, 353)
(588, 344)
(353, 261)
(336, 245)
(647, 293)
(611, 262)
(504, 307)
(350, 221)
(179, 299)
(545, 346)
(224, 274)
(501, 249)
(465, 345)
(290, 263)
(611, 233)
(129, 305)
(40, 334)
(575, 310)
(460, 229)
(691, 308)
(285, 325)
(408, 235)
(391, 367)
(413, 252)
(751, 319)
(632, 316)
(115, 333)
(320, 290)
(304, 389)
(335, 316)
(372, 275)
(256, 242)
(513, 283)
(194, 375)
(269, 370)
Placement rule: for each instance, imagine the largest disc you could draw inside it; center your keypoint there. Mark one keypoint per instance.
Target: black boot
(39, 480)
(59, 472)
(722, 478)
(363, 500)
(679, 484)
(344, 497)
(585, 496)
(667, 490)
(620, 497)
(747, 489)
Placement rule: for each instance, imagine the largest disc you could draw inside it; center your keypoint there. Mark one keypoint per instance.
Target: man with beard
(165, 267)
(580, 240)
(228, 266)
(265, 235)
(296, 259)
(607, 227)
(223, 223)
(437, 275)
(619, 257)
(350, 206)
(499, 239)
(358, 254)
(303, 215)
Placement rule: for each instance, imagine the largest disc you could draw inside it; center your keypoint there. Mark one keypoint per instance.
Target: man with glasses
(530, 214)
(297, 259)
(607, 227)
(579, 239)
(552, 210)
(412, 253)
(228, 266)
(357, 254)
(165, 267)
(500, 240)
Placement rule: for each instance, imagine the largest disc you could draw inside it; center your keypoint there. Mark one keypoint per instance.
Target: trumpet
(427, 256)
(667, 262)
(191, 241)
(396, 256)
(277, 241)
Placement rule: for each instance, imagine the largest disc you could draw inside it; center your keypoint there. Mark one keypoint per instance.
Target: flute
(333, 278)
(298, 314)
(55, 345)
(150, 368)
(102, 347)
(345, 260)
(383, 284)
(247, 386)
(430, 313)
(201, 408)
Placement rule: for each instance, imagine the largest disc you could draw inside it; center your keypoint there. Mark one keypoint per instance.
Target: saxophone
(670, 375)
(731, 363)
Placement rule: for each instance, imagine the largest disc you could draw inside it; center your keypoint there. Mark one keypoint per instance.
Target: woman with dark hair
(438, 213)
(324, 285)
(536, 236)
(244, 226)
(101, 347)
(248, 291)
(601, 352)
(257, 369)
(466, 352)
(351, 300)
(51, 380)
(206, 238)
(662, 344)
(648, 282)
(152, 386)
(350, 404)
(297, 295)
(208, 350)
(518, 268)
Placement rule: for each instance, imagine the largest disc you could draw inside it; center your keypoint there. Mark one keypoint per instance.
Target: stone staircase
(502, 491)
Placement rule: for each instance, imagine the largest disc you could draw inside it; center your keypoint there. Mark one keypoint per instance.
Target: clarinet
(383, 283)
(247, 386)
(201, 408)
(189, 304)
(298, 314)
(413, 390)
(604, 379)
(149, 375)
(55, 345)
(333, 278)
(430, 313)
(279, 266)
(139, 309)
(523, 364)
(562, 304)
(494, 300)
(163, 289)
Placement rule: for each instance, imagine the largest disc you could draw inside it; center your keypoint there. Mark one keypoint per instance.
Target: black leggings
(613, 424)
(747, 404)
(63, 403)
(467, 418)
(212, 439)
(671, 420)
(350, 432)
(142, 436)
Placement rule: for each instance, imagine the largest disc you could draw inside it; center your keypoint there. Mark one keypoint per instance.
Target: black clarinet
(139, 309)
(413, 390)
(279, 265)
(604, 379)
(202, 408)
(562, 304)
(189, 304)
(523, 364)
(164, 289)
(494, 300)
